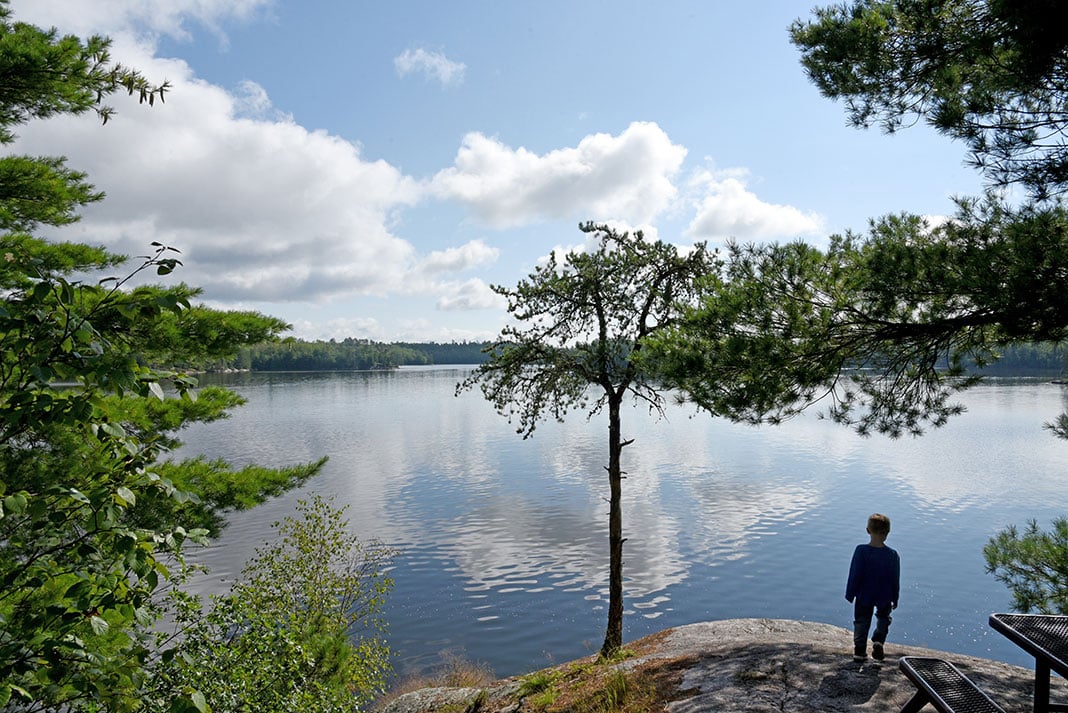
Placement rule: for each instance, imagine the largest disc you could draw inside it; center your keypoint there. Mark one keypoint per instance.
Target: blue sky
(369, 169)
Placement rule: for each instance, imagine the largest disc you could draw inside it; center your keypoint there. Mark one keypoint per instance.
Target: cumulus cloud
(158, 17)
(433, 65)
(261, 209)
(626, 177)
(936, 221)
(340, 328)
(473, 254)
(267, 211)
(470, 295)
(251, 101)
(726, 208)
(429, 277)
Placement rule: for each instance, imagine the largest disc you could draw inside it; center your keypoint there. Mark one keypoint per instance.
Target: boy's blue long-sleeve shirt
(874, 576)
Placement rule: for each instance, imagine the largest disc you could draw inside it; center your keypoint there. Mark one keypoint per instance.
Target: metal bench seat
(941, 684)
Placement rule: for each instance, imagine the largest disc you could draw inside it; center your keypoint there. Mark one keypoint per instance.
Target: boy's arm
(897, 580)
(854, 576)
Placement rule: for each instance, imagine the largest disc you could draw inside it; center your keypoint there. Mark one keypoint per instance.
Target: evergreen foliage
(991, 73)
(1034, 566)
(882, 329)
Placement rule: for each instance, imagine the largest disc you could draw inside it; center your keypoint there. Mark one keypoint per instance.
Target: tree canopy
(882, 325)
(1033, 565)
(991, 73)
(881, 328)
(579, 325)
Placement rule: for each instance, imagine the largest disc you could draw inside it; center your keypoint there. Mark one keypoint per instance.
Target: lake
(503, 541)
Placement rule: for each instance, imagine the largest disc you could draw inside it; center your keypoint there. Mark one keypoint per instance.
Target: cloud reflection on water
(721, 519)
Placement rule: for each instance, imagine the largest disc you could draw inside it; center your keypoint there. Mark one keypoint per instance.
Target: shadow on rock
(852, 684)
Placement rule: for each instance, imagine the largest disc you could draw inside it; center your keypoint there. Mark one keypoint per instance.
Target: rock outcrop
(756, 665)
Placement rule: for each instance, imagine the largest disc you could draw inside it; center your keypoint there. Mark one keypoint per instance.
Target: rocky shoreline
(756, 665)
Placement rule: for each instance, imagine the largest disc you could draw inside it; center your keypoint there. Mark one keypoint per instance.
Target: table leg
(916, 703)
(1041, 686)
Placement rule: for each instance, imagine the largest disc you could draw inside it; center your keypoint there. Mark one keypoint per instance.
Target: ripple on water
(502, 540)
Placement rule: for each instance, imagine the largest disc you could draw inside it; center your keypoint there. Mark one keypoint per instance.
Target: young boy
(874, 582)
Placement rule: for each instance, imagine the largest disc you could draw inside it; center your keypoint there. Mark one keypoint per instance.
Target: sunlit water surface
(503, 541)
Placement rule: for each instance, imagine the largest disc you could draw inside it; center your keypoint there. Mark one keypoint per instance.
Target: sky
(370, 169)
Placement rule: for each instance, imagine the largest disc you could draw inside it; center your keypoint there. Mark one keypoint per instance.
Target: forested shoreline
(1044, 359)
(353, 354)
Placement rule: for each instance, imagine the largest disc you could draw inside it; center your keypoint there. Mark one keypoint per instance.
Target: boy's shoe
(859, 658)
(877, 652)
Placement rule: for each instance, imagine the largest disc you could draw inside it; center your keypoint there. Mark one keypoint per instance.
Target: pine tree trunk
(613, 638)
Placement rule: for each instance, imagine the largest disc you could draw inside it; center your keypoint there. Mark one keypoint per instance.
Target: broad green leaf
(200, 703)
(126, 495)
(98, 625)
(78, 495)
(15, 503)
(113, 429)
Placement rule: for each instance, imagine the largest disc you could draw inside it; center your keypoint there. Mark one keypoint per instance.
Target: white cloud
(626, 177)
(157, 17)
(251, 101)
(726, 208)
(433, 65)
(267, 211)
(469, 295)
(360, 327)
(473, 254)
(473, 294)
(398, 330)
(649, 232)
(261, 209)
(934, 222)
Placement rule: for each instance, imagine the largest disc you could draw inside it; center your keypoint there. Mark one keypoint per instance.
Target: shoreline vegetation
(351, 354)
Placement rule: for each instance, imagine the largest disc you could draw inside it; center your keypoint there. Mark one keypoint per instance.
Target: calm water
(504, 541)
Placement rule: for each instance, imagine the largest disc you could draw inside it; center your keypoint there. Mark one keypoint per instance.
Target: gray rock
(435, 699)
(756, 665)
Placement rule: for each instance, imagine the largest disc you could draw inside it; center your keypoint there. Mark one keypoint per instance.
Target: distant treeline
(353, 354)
(450, 353)
(362, 354)
(1043, 359)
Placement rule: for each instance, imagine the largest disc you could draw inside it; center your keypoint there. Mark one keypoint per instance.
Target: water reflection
(505, 541)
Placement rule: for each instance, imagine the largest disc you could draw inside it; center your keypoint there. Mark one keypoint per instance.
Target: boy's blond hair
(879, 524)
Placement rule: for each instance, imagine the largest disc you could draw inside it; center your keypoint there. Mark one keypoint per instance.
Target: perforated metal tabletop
(1044, 636)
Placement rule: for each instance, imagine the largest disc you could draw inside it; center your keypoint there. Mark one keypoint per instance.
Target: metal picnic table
(1044, 636)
